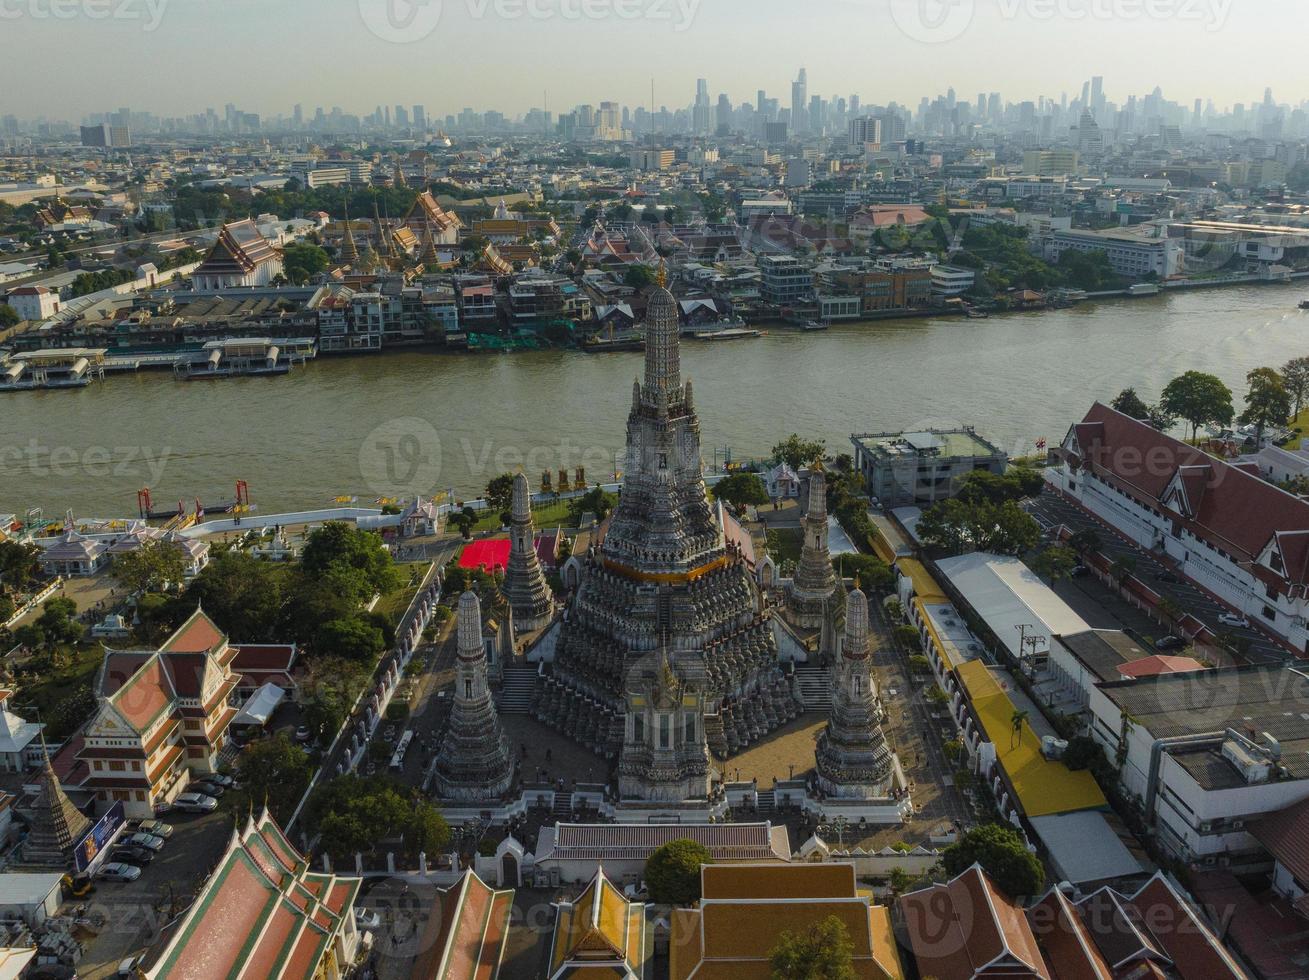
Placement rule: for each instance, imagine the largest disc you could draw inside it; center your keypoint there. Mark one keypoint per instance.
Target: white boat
(815, 325)
(731, 333)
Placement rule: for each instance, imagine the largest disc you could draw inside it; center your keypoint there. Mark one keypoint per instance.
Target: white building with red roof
(1231, 532)
(34, 303)
(263, 913)
(163, 714)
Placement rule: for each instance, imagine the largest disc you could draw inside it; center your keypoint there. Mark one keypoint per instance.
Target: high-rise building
(700, 111)
(799, 100)
(420, 117)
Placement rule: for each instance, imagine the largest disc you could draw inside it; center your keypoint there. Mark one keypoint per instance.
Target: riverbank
(398, 423)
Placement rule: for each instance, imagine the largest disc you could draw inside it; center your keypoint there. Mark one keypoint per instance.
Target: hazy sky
(65, 58)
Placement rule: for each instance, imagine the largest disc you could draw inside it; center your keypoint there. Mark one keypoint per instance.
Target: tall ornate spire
(473, 761)
(663, 357)
(853, 759)
(398, 176)
(430, 259)
(349, 253)
(524, 586)
(814, 584)
(56, 825)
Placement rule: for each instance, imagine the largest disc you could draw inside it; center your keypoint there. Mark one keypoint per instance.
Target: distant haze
(176, 57)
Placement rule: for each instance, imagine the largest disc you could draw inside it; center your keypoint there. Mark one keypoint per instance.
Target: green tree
(672, 872)
(1086, 542)
(329, 692)
(499, 492)
(1267, 402)
(1129, 403)
(1295, 376)
(823, 951)
(19, 564)
(740, 490)
(242, 594)
(150, 567)
(597, 501)
(274, 771)
(463, 521)
(957, 525)
(1055, 563)
(1002, 855)
(638, 276)
(1200, 399)
(58, 621)
(798, 453)
(352, 639)
(302, 261)
(8, 316)
(873, 575)
(340, 545)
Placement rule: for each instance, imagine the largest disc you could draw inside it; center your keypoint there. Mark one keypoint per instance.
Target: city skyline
(884, 51)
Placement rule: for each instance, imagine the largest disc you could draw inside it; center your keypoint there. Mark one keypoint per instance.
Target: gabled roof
(465, 936)
(966, 926)
(600, 930)
(1176, 927)
(199, 634)
(261, 913)
(1065, 939)
(1226, 505)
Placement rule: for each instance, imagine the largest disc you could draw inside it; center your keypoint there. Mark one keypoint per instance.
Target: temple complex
(473, 762)
(524, 585)
(853, 759)
(660, 583)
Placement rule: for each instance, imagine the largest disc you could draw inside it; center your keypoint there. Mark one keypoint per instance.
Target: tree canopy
(1267, 402)
(302, 261)
(1200, 399)
(353, 814)
(959, 526)
(740, 490)
(823, 951)
(150, 567)
(672, 872)
(1000, 851)
(1130, 403)
(275, 771)
(1295, 376)
(798, 453)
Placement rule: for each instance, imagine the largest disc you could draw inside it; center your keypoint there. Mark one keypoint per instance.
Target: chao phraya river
(425, 421)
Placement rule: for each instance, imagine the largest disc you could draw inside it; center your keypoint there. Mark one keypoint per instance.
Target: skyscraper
(700, 111)
(799, 101)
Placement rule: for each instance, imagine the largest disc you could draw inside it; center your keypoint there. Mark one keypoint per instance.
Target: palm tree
(1016, 720)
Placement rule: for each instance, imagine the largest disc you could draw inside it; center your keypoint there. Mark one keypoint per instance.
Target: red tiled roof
(199, 634)
(1228, 506)
(1285, 833)
(146, 695)
(1191, 945)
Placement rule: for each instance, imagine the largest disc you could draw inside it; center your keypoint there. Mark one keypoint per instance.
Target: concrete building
(907, 468)
(1131, 255)
(952, 280)
(34, 303)
(1239, 537)
(1060, 162)
(786, 280)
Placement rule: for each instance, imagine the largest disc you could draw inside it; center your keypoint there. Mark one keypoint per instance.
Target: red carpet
(489, 554)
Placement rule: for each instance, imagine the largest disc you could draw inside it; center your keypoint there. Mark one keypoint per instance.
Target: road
(1051, 510)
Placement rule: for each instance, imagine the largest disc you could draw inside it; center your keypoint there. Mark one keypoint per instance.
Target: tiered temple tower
(474, 761)
(663, 577)
(813, 587)
(56, 825)
(524, 585)
(349, 253)
(852, 756)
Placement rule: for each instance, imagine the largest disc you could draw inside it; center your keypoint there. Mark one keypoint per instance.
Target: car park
(195, 803)
(117, 871)
(156, 828)
(1234, 619)
(144, 840)
(132, 854)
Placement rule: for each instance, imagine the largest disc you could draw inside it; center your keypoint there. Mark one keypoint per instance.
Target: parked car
(367, 919)
(132, 854)
(302, 734)
(156, 828)
(117, 871)
(218, 779)
(1080, 571)
(1169, 577)
(195, 803)
(144, 840)
(388, 735)
(1234, 619)
(1170, 643)
(207, 788)
(130, 966)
